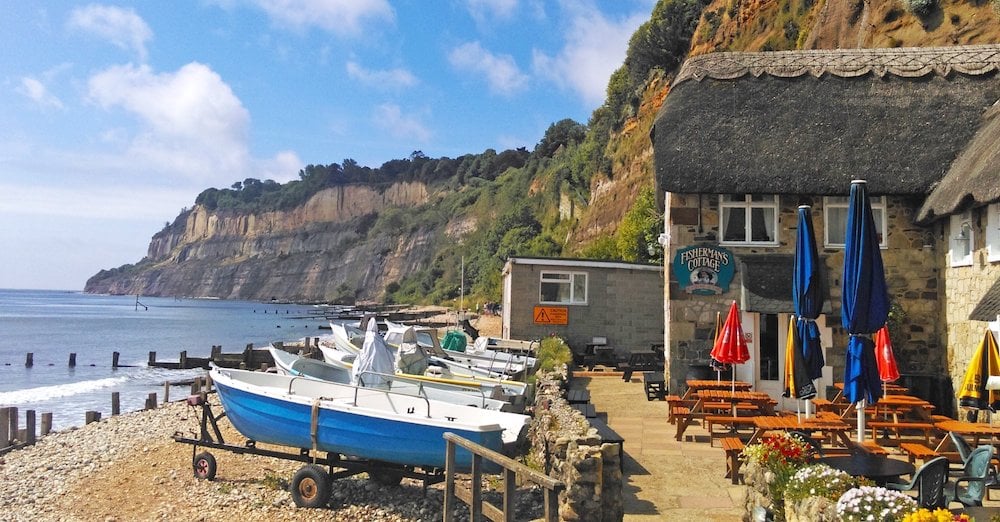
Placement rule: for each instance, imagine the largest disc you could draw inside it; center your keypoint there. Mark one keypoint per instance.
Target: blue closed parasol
(804, 360)
(864, 301)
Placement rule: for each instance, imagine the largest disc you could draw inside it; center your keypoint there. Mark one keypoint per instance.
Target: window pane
(877, 216)
(734, 198)
(836, 225)
(769, 370)
(734, 224)
(554, 276)
(580, 288)
(762, 224)
(555, 292)
(769, 198)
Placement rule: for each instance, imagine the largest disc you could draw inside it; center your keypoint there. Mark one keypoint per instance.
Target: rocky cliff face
(318, 251)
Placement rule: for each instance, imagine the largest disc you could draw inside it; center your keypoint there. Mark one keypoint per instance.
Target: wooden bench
(610, 436)
(872, 447)
(916, 451)
(726, 420)
(673, 401)
(898, 427)
(578, 396)
(655, 385)
(588, 410)
(733, 447)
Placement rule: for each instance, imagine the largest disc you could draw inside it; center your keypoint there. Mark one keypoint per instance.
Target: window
(748, 219)
(563, 288)
(993, 232)
(835, 217)
(960, 239)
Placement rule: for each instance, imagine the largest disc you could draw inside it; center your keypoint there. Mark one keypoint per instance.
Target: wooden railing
(478, 508)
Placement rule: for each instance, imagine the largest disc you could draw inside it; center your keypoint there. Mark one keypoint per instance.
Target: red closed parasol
(730, 345)
(888, 371)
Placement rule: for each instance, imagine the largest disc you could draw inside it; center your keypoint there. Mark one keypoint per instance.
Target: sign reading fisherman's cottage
(704, 270)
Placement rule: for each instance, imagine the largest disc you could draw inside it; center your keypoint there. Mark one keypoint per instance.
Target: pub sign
(704, 269)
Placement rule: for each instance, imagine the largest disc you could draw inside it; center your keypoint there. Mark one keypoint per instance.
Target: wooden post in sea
(29, 361)
(208, 383)
(116, 404)
(166, 392)
(72, 360)
(29, 427)
(196, 386)
(306, 340)
(151, 401)
(152, 358)
(114, 360)
(12, 424)
(4, 427)
(183, 360)
(46, 423)
(216, 353)
(91, 416)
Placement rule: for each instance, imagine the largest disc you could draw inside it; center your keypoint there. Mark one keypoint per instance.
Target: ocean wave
(44, 393)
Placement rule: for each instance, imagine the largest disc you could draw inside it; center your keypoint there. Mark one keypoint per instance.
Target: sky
(115, 116)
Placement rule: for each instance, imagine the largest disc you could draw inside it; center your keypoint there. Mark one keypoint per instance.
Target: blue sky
(115, 116)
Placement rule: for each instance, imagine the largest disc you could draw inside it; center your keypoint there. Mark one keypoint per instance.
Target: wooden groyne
(13, 436)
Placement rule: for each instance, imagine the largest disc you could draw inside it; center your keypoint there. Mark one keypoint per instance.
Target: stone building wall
(964, 288)
(912, 273)
(572, 452)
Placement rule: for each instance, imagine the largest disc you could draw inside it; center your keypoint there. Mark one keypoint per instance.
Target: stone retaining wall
(572, 452)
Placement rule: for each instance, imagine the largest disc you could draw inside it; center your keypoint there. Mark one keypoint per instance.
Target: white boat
(353, 420)
(477, 355)
(345, 339)
(468, 395)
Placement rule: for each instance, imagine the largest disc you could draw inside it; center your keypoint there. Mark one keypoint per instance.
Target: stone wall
(964, 288)
(912, 272)
(573, 453)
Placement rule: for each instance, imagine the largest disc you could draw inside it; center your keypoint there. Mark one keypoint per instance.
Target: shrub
(781, 456)
(920, 7)
(818, 480)
(553, 353)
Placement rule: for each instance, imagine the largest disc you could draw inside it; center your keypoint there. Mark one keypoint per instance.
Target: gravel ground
(129, 468)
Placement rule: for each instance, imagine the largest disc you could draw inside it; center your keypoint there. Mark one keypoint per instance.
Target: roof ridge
(908, 62)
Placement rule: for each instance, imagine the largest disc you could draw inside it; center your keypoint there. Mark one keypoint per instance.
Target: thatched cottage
(743, 139)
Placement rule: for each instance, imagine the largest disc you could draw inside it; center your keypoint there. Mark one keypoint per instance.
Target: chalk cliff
(321, 250)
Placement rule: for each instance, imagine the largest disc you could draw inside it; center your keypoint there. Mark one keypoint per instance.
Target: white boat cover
(375, 357)
(411, 358)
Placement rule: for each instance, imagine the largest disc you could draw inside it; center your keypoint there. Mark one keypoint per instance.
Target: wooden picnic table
(760, 400)
(896, 406)
(976, 430)
(695, 386)
(838, 428)
(890, 389)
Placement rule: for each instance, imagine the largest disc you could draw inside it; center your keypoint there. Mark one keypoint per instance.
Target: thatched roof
(807, 122)
(974, 178)
(989, 306)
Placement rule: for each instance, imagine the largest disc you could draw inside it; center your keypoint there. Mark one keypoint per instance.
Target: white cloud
(122, 27)
(485, 11)
(501, 72)
(344, 17)
(39, 93)
(594, 47)
(283, 167)
(388, 79)
(390, 117)
(191, 122)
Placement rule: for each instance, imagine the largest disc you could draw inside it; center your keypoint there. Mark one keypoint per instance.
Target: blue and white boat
(362, 422)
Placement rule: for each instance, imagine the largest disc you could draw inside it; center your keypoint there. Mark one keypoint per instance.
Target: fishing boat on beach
(456, 392)
(476, 354)
(367, 423)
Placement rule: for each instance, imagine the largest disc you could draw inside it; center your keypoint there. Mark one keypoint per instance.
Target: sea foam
(44, 393)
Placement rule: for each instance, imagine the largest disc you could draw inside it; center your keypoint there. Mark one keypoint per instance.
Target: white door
(766, 335)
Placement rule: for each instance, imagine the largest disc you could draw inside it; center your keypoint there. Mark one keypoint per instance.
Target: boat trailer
(311, 485)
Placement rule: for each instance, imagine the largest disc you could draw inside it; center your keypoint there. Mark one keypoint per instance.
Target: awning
(767, 284)
(989, 306)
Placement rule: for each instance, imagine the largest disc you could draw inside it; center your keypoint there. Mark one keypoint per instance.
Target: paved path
(665, 479)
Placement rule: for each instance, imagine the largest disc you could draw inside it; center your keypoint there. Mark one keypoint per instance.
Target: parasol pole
(859, 408)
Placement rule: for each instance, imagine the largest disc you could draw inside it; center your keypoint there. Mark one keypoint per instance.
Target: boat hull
(346, 429)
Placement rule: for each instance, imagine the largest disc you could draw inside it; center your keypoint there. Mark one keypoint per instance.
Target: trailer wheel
(311, 487)
(204, 466)
(386, 476)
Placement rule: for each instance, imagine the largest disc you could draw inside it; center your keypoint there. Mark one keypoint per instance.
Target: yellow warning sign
(551, 315)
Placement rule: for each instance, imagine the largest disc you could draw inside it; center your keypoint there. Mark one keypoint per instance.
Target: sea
(53, 324)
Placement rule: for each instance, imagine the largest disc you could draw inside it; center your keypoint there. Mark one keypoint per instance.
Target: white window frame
(957, 225)
(546, 276)
(879, 214)
(748, 205)
(993, 232)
